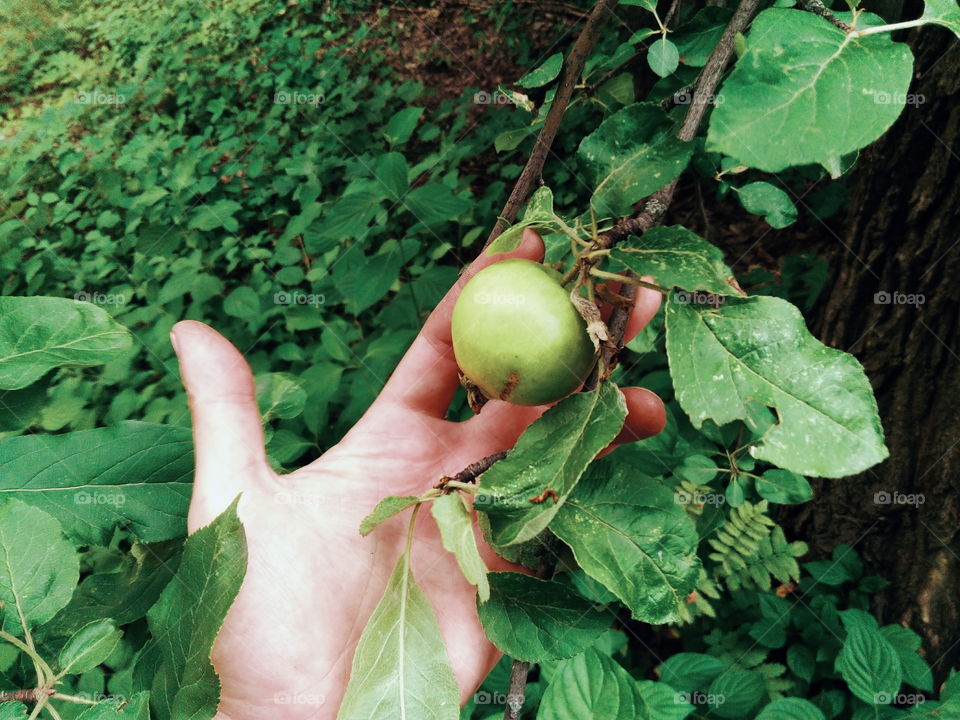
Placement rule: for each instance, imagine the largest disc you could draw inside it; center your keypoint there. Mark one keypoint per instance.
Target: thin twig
(674, 6)
(516, 693)
(818, 8)
(474, 470)
(520, 669)
(703, 212)
(25, 696)
(572, 69)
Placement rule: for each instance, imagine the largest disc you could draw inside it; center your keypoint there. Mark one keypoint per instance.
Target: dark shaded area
(899, 239)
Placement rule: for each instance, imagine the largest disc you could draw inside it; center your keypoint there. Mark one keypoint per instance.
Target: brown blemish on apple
(512, 381)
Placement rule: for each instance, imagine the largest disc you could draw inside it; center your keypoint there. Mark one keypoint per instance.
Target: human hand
(312, 581)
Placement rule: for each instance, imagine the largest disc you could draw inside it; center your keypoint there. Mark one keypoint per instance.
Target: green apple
(517, 336)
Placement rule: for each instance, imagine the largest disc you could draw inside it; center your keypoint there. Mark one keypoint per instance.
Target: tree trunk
(901, 235)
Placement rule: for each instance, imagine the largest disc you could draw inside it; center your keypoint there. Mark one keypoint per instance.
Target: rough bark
(902, 234)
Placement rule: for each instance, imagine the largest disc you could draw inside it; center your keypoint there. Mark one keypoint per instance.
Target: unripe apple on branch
(518, 337)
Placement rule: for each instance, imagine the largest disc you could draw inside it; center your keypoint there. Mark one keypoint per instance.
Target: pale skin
(312, 581)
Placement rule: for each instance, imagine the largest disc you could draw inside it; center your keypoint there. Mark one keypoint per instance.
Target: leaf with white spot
(551, 454)
(807, 92)
(758, 349)
(634, 152)
(628, 532)
(676, 257)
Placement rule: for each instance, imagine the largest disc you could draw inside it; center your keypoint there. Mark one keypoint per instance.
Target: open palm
(312, 581)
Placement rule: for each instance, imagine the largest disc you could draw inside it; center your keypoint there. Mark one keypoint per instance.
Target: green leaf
(19, 408)
(124, 594)
(392, 170)
(400, 127)
(916, 672)
(697, 38)
(688, 672)
(13, 711)
(734, 694)
(697, 469)
(784, 487)
(511, 139)
(400, 667)
(519, 99)
(39, 568)
(41, 333)
(759, 348)
(435, 203)
(300, 223)
(650, 5)
(806, 92)
(538, 214)
(149, 197)
(134, 474)
(762, 198)
(535, 620)
(844, 566)
(89, 646)
(634, 152)
(676, 257)
(791, 709)
(186, 619)
(592, 686)
(801, 660)
(456, 530)
(660, 702)
(108, 219)
(868, 663)
(349, 216)
(663, 57)
(362, 280)
(386, 509)
(547, 72)
(943, 12)
(218, 215)
(551, 454)
(133, 708)
(243, 303)
(280, 395)
(618, 90)
(628, 532)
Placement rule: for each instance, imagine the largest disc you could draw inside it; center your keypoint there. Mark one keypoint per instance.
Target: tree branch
(818, 8)
(516, 693)
(572, 68)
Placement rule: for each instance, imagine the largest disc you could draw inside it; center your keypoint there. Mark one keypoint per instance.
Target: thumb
(227, 436)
